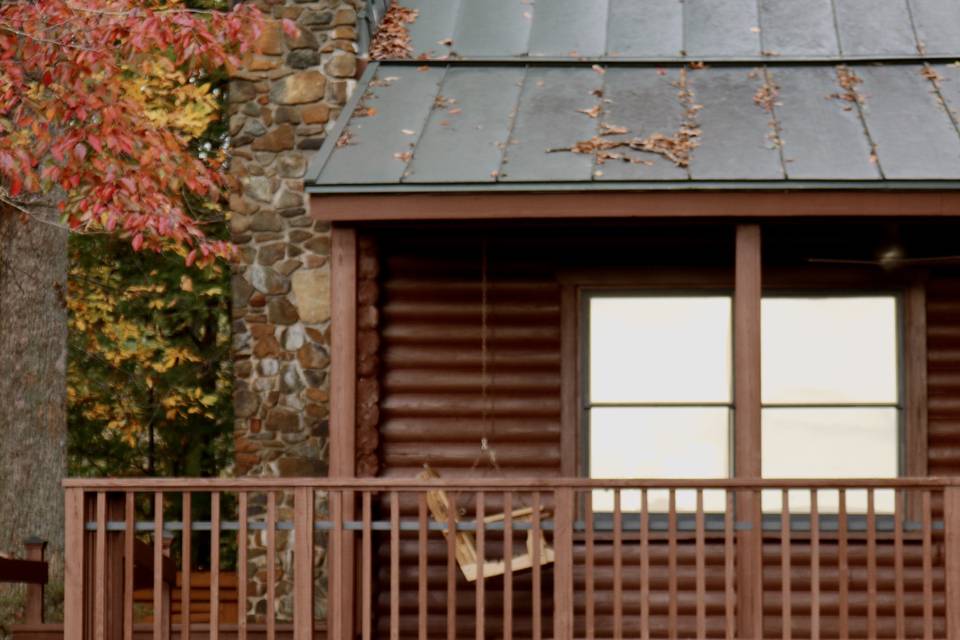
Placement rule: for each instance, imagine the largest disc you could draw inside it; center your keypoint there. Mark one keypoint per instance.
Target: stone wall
(281, 105)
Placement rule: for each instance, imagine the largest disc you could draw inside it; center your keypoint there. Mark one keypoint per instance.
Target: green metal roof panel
(871, 27)
(469, 125)
(417, 127)
(549, 116)
(795, 28)
(390, 114)
(493, 28)
(737, 140)
(914, 136)
(822, 135)
(645, 28)
(569, 28)
(937, 23)
(644, 102)
(727, 28)
(430, 32)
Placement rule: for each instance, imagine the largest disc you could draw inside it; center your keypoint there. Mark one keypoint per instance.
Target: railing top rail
(495, 484)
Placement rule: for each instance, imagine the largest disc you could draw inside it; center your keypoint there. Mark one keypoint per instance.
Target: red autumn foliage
(67, 120)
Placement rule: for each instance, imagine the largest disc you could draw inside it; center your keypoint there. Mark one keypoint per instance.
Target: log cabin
(663, 297)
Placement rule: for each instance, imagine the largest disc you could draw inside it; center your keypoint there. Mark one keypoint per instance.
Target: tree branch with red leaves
(70, 119)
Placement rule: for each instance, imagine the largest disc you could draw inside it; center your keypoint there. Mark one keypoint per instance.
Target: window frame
(909, 296)
(585, 405)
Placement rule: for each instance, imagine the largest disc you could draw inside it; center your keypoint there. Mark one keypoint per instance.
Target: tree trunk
(33, 359)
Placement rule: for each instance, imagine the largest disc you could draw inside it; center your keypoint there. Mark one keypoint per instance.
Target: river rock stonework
(282, 102)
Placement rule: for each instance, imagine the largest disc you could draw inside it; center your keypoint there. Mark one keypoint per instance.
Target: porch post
(73, 579)
(343, 387)
(951, 519)
(746, 367)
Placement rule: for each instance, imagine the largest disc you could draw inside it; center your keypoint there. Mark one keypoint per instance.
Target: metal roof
(633, 94)
(693, 29)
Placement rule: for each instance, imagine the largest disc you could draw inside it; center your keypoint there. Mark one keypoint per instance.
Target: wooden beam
(343, 407)
(569, 377)
(747, 436)
(635, 204)
(915, 374)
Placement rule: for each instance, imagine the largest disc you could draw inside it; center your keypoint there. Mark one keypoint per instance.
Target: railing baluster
(537, 594)
(366, 582)
(843, 566)
(588, 579)
(786, 610)
(672, 564)
(644, 565)
(395, 565)
(158, 604)
(814, 566)
(243, 540)
(481, 537)
(729, 594)
(951, 566)
(303, 559)
(128, 538)
(100, 569)
(701, 569)
(927, 568)
(898, 525)
(185, 553)
(215, 565)
(617, 566)
(871, 566)
(272, 563)
(422, 564)
(563, 564)
(452, 535)
(508, 567)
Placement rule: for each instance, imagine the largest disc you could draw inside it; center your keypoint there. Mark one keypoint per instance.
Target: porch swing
(441, 506)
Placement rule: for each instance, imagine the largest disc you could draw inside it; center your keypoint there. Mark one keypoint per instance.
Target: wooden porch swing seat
(440, 507)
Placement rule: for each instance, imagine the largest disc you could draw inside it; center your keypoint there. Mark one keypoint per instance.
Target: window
(659, 389)
(830, 391)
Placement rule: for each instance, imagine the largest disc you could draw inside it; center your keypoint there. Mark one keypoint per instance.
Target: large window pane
(660, 349)
(829, 350)
(830, 443)
(658, 443)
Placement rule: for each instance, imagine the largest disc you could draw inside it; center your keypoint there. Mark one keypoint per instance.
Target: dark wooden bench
(32, 571)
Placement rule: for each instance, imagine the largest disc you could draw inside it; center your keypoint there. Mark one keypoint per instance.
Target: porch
(734, 558)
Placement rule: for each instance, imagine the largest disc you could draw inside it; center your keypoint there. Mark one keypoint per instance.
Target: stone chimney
(281, 105)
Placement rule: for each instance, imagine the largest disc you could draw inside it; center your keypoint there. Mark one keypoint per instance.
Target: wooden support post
(343, 406)
(951, 519)
(35, 548)
(303, 571)
(563, 565)
(747, 434)
(73, 587)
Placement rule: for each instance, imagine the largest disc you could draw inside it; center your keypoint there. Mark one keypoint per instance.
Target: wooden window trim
(909, 287)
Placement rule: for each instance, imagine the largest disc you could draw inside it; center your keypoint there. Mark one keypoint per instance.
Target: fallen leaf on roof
(607, 129)
(593, 112)
(755, 29)
(599, 69)
(345, 138)
(932, 75)
(392, 39)
(527, 15)
(454, 111)
(446, 42)
(408, 132)
(365, 112)
(423, 68)
(698, 65)
(848, 81)
(403, 155)
(444, 123)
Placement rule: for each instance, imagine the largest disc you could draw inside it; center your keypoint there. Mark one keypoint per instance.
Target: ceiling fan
(892, 258)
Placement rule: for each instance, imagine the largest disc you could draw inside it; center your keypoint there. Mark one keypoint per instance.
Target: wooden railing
(630, 558)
